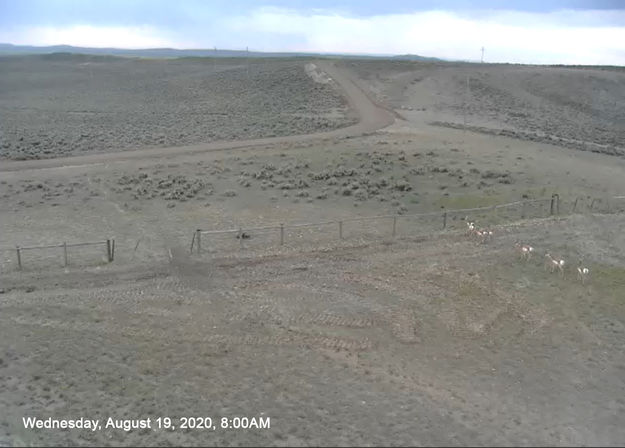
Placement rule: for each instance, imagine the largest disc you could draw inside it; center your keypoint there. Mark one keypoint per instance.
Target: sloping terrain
(578, 107)
(68, 106)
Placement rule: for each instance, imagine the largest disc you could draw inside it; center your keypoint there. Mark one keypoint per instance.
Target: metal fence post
(198, 237)
(341, 230)
(394, 226)
(113, 249)
(19, 258)
(523, 209)
(574, 205)
(240, 237)
(65, 253)
(445, 220)
(281, 234)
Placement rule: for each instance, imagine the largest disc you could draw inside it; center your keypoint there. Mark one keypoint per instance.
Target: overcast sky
(526, 31)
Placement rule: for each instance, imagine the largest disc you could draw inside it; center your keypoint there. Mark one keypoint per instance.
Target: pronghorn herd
(525, 252)
(557, 263)
(482, 235)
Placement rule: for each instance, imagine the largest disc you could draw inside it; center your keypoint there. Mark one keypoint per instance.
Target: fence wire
(57, 255)
(370, 227)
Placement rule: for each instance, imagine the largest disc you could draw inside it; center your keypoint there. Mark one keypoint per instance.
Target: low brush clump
(171, 187)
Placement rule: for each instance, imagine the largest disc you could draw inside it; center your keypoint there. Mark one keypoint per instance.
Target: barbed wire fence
(393, 226)
(324, 232)
(370, 227)
(49, 254)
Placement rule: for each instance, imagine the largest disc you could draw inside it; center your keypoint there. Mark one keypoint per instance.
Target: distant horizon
(574, 32)
(186, 48)
(208, 49)
(410, 56)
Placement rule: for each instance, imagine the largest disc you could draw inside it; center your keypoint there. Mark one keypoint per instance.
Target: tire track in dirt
(333, 320)
(109, 327)
(371, 118)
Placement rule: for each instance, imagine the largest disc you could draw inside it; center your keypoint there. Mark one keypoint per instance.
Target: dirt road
(371, 117)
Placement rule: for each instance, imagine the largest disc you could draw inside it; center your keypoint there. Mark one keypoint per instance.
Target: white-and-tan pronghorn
(470, 228)
(484, 235)
(525, 251)
(554, 263)
(582, 273)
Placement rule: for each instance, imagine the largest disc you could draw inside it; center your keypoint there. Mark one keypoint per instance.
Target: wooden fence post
(574, 205)
(523, 209)
(240, 237)
(108, 250)
(281, 234)
(198, 237)
(341, 230)
(19, 258)
(394, 226)
(65, 253)
(445, 220)
(555, 204)
(113, 250)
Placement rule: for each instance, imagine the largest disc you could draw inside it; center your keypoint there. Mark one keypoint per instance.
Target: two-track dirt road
(371, 117)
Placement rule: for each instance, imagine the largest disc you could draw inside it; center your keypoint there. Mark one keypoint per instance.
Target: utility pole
(482, 55)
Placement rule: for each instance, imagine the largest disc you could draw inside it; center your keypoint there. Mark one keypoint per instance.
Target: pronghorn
(525, 251)
(470, 226)
(484, 235)
(554, 263)
(582, 273)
